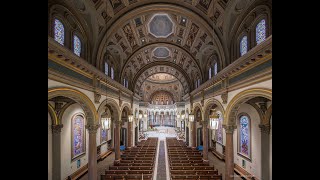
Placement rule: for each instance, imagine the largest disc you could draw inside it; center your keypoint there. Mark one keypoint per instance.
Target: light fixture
(130, 117)
(105, 120)
(145, 115)
(214, 120)
(182, 116)
(191, 117)
(140, 116)
(178, 116)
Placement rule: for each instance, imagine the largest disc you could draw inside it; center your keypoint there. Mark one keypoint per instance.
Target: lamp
(191, 117)
(178, 116)
(140, 116)
(214, 120)
(105, 120)
(130, 117)
(182, 116)
(145, 115)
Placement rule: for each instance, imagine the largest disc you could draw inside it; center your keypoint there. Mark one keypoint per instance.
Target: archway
(216, 137)
(112, 107)
(251, 97)
(68, 96)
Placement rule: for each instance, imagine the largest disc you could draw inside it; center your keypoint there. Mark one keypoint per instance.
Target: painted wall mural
(78, 146)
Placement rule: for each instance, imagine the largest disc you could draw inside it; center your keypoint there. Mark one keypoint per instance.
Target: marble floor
(162, 133)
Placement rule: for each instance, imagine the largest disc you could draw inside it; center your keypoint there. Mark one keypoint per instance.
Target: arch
(162, 91)
(240, 98)
(195, 108)
(127, 106)
(118, 22)
(156, 44)
(79, 97)
(60, 114)
(53, 115)
(113, 107)
(208, 105)
(149, 66)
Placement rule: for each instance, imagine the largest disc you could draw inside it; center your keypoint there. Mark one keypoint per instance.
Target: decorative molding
(229, 128)
(254, 57)
(97, 97)
(265, 128)
(56, 129)
(224, 97)
(92, 128)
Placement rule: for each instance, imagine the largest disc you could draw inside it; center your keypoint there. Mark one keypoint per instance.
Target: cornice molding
(67, 58)
(253, 57)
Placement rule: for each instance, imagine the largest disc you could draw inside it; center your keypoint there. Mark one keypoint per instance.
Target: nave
(123, 72)
(170, 135)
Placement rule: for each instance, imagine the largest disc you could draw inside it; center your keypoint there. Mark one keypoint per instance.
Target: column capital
(229, 128)
(117, 122)
(92, 128)
(265, 128)
(56, 128)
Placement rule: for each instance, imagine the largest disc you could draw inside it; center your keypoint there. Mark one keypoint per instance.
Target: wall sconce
(145, 115)
(140, 116)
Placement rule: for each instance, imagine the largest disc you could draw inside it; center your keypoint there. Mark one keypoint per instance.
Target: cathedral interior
(159, 89)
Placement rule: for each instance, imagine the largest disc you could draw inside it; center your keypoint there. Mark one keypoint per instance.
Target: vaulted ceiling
(144, 37)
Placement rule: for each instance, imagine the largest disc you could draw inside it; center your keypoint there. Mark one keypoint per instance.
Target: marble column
(117, 141)
(265, 151)
(193, 134)
(129, 134)
(205, 140)
(56, 151)
(92, 157)
(229, 158)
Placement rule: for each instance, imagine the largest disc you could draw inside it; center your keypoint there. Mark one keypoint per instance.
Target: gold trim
(61, 62)
(267, 93)
(80, 94)
(54, 118)
(250, 66)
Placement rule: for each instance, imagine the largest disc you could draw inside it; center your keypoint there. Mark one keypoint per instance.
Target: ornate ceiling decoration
(160, 25)
(161, 78)
(161, 52)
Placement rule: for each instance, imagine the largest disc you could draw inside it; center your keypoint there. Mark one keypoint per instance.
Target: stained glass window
(243, 45)
(219, 133)
(58, 32)
(124, 82)
(76, 45)
(198, 82)
(112, 73)
(127, 83)
(106, 68)
(261, 31)
(244, 136)
(210, 73)
(215, 68)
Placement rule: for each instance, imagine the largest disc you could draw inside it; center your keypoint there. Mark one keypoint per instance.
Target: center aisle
(161, 173)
